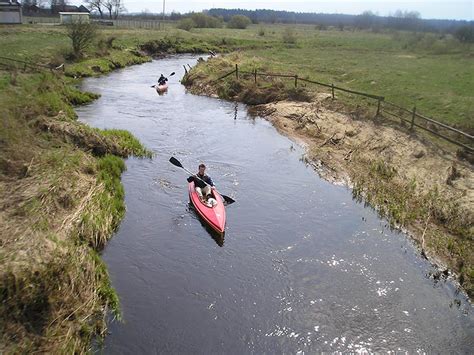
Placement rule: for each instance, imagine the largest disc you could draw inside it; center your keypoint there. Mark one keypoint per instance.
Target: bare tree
(41, 3)
(61, 3)
(114, 7)
(96, 5)
(118, 8)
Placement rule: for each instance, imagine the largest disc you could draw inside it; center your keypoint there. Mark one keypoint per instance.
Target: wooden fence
(40, 19)
(150, 24)
(19, 64)
(122, 23)
(407, 117)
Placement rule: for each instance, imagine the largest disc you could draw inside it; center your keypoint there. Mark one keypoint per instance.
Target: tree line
(401, 20)
(112, 8)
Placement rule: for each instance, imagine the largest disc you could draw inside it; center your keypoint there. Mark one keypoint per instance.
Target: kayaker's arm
(209, 181)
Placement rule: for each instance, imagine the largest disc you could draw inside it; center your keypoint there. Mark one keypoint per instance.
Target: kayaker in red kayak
(203, 190)
(162, 80)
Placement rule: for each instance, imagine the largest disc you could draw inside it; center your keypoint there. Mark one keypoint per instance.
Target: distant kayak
(213, 216)
(161, 88)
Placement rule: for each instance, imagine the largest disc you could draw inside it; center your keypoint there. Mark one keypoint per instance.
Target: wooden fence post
(296, 80)
(255, 75)
(413, 117)
(332, 90)
(236, 72)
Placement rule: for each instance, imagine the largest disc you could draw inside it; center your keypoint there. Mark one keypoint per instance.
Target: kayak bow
(161, 88)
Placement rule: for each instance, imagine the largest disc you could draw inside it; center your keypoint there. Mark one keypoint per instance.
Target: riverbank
(387, 167)
(61, 199)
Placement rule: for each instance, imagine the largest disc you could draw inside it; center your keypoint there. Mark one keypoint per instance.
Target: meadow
(435, 72)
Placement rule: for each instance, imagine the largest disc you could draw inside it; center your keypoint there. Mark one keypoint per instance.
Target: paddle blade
(175, 162)
(227, 199)
(173, 73)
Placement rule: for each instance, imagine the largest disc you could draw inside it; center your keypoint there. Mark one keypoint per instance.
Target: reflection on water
(218, 237)
(305, 268)
(236, 107)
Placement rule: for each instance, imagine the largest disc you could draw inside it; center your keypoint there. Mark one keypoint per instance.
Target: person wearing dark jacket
(162, 80)
(202, 189)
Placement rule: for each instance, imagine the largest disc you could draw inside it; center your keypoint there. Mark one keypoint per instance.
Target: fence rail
(147, 24)
(124, 23)
(40, 19)
(26, 64)
(414, 115)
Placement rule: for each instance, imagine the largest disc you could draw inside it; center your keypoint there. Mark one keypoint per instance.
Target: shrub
(205, 21)
(186, 24)
(82, 34)
(465, 34)
(289, 36)
(261, 31)
(239, 22)
(105, 44)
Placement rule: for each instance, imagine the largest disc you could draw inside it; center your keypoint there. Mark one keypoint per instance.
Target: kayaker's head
(202, 169)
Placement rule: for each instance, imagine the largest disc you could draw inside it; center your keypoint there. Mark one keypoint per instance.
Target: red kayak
(161, 88)
(213, 216)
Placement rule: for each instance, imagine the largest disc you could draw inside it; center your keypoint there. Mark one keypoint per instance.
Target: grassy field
(433, 72)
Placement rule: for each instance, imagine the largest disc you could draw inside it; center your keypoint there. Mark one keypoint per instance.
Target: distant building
(10, 12)
(34, 10)
(69, 17)
(56, 9)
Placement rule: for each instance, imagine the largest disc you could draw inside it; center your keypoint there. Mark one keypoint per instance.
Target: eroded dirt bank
(419, 187)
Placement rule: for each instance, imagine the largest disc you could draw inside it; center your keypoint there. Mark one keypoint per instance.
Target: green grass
(433, 72)
(102, 65)
(127, 142)
(436, 75)
(107, 207)
(54, 290)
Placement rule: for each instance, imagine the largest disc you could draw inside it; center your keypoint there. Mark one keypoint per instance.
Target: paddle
(173, 73)
(176, 162)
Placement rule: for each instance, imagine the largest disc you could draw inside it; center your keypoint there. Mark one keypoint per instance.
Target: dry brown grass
(60, 200)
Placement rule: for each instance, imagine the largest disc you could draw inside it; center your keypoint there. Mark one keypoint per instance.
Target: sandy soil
(333, 139)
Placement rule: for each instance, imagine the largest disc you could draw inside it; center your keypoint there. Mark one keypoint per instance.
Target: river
(303, 267)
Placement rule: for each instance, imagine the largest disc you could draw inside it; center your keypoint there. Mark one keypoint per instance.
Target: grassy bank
(60, 200)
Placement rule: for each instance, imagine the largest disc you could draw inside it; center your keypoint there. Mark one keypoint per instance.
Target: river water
(303, 267)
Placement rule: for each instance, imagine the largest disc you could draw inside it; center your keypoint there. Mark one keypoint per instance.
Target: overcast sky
(456, 9)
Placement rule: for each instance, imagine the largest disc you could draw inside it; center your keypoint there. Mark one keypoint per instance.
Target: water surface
(303, 267)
